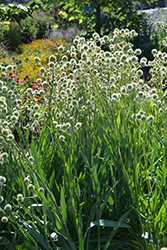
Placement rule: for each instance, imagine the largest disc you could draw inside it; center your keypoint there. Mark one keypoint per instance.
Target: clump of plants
(27, 67)
(89, 168)
(67, 35)
(39, 26)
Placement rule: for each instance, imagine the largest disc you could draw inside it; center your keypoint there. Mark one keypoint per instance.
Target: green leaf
(106, 223)
(63, 204)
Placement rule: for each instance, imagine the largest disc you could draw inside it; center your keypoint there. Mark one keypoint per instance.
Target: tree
(93, 12)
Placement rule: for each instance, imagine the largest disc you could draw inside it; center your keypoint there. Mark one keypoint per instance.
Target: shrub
(38, 27)
(13, 35)
(43, 22)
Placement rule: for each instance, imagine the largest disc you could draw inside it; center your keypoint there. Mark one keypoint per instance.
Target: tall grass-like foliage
(87, 169)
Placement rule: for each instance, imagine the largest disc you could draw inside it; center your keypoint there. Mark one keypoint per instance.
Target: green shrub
(13, 35)
(29, 29)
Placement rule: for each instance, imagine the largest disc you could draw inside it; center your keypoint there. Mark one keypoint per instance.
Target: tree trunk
(98, 19)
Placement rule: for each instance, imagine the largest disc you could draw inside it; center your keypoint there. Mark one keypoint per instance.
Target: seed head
(45, 84)
(150, 118)
(4, 155)
(8, 207)
(41, 190)
(4, 219)
(78, 125)
(27, 179)
(61, 138)
(60, 49)
(36, 59)
(2, 180)
(1, 199)
(20, 197)
(52, 58)
(31, 187)
(155, 96)
(10, 137)
(5, 132)
(51, 64)
(42, 70)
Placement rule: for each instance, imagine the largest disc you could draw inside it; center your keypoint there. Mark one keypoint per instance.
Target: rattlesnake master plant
(91, 154)
(72, 80)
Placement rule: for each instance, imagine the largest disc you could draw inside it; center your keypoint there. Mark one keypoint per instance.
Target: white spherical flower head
(42, 70)
(1, 139)
(139, 72)
(2, 180)
(141, 82)
(73, 54)
(155, 96)
(4, 219)
(29, 91)
(38, 80)
(112, 87)
(3, 75)
(154, 52)
(16, 113)
(1, 199)
(64, 58)
(27, 179)
(78, 125)
(138, 116)
(1, 84)
(10, 137)
(112, 79)
(113, 59)
(134, 59)
(153, 91)
(107, 54)
(94, 71)
(140, 94)
(61, 138)
(41, 190)
(81, 40)
(123, 89)
(36, 59)
(3, 69)
(129, 87)
(138, 52)
(14, 118)
(150, 118)
(4, 155)
(52, 58)
(60, 49)
(31, 187)
(2, 102)
(143, 118)
(123, 58)
(51, 64)
(41, 92)
(8, 207)
(9, 68)
(84, 56)
(45, 85)
(20, 197)
(142, 64)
